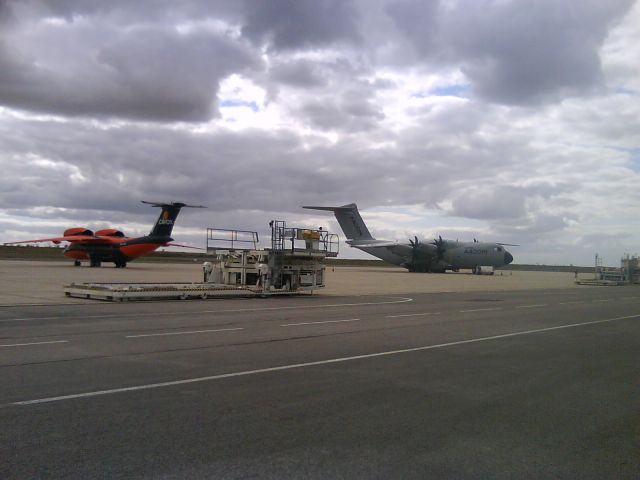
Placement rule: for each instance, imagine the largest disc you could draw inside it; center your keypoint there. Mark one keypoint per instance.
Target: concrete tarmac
(539, 383)
(26, 282)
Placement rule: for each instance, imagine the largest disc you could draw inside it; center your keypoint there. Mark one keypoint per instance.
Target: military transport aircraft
(435, 256)
(110, 245)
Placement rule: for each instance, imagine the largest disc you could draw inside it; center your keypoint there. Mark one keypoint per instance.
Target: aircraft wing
(406, 251)
(68, 238)
(183, 246)
(400, 249)
(375, 243)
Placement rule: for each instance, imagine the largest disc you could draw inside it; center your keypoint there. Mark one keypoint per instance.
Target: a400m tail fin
(168, 215)
(350, 221)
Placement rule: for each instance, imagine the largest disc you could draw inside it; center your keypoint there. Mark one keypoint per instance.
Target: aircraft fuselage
(118, 250)
(433, 256)
(472, 255)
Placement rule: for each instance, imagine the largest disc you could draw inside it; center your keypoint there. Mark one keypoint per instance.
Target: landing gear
(94, 262)
(76, 263)
(120, 263)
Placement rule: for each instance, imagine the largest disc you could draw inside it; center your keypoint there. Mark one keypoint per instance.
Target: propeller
(421, 257)
(414, 253)
(440, 247)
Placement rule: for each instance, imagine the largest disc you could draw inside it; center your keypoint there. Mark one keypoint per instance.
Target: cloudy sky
(506, 120)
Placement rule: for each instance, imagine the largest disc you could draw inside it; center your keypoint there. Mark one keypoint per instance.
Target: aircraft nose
(508, 258)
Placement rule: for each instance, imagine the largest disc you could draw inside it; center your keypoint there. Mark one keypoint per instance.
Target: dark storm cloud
(299, 73)
(513, 52)
(531, 51)
(129, 60)
(164, 75)
(418, 21)
(350, 114)
(93, 68)
(535, 226)
(490, 203)
(71, 164)
(67, 169)
(126, 12)
(508, 209)
(301, 24)
(5, 11)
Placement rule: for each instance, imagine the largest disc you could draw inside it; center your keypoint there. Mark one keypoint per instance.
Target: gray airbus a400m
(436, 256)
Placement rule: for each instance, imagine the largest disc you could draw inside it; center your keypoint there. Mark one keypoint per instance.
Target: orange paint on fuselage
(137, 250)
(132, 251)
(76, 255)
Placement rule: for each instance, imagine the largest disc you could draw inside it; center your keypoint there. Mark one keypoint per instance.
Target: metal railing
(220, 238)
(285, 238)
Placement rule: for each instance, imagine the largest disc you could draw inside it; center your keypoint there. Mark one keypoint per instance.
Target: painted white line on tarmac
(182, 333)
(83, 317)
(481, 310)
(4, 305)
(196, 312)
(533, 306)
(412, 314)
(602, 300)
(570, 303)
(311, 364)
(316, 323)
(34, 343)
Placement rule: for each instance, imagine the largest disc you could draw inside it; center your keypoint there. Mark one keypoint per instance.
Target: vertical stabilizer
(350, 221)
(168, 215)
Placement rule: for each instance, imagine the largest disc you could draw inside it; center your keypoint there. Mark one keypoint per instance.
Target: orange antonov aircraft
(110, 245)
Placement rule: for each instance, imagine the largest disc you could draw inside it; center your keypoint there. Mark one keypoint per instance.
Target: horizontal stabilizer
(345, 208)
(172, 204)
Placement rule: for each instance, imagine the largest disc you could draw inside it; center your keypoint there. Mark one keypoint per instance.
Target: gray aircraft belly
(383, 253)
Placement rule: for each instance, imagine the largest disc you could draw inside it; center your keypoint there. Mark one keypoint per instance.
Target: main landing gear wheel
(94, 262)
(76, 263)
